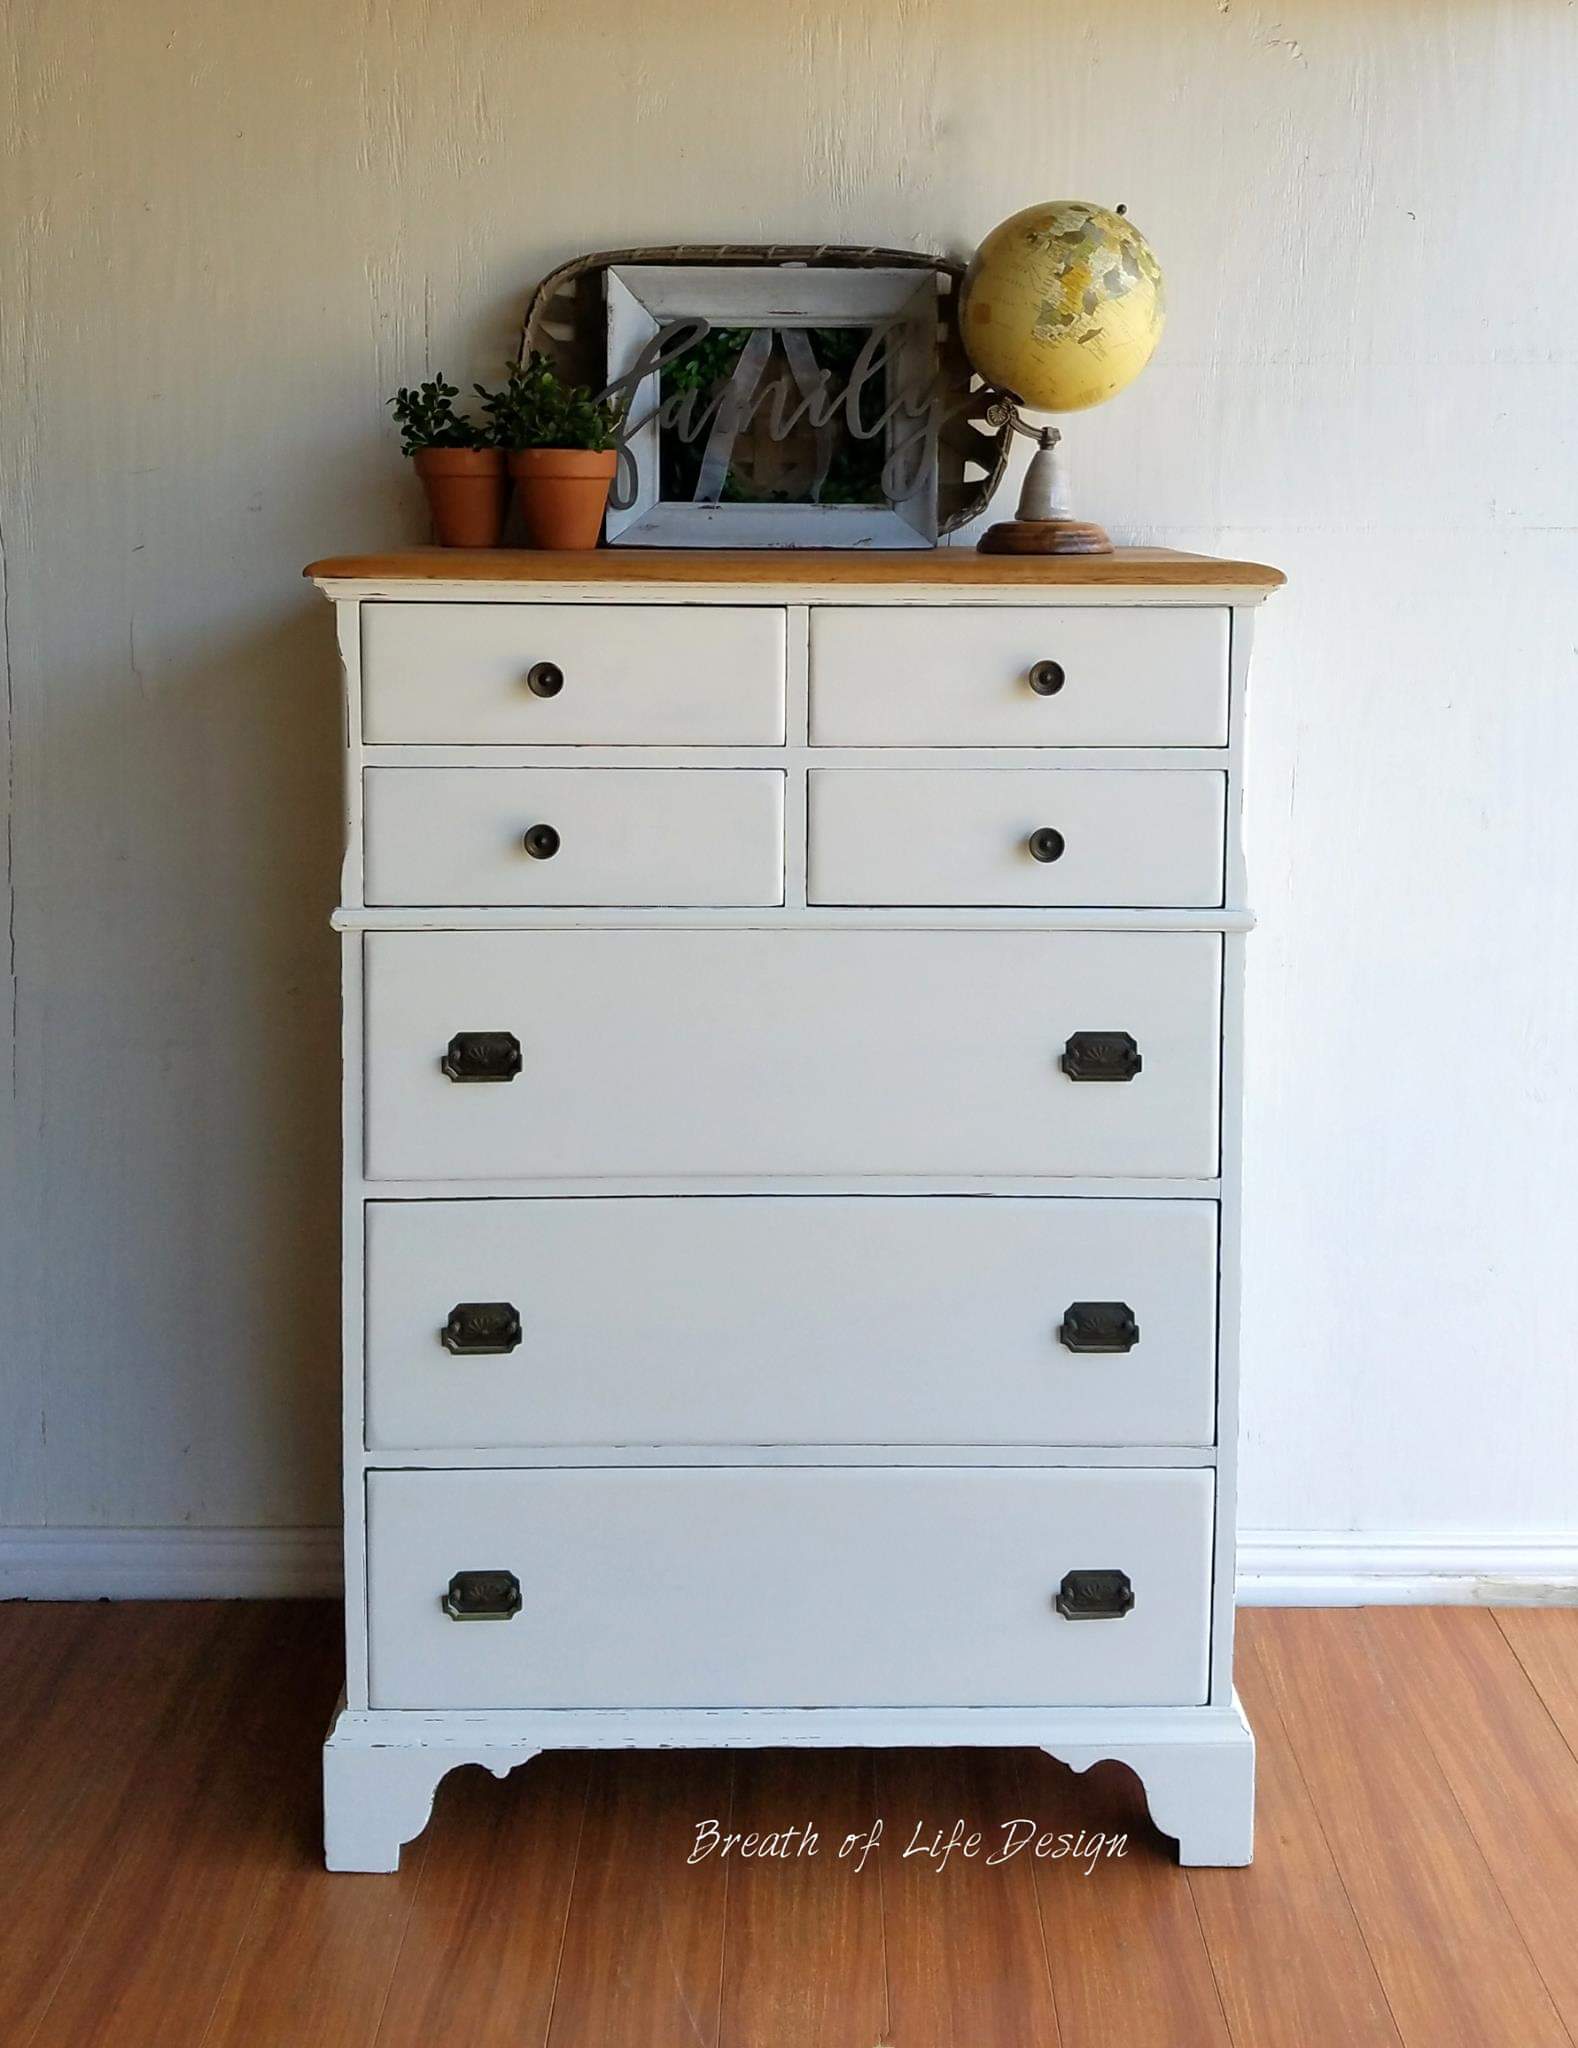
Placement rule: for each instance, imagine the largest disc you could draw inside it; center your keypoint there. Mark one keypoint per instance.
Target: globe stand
(1044, 523)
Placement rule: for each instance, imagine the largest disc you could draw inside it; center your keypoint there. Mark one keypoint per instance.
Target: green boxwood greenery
(427, 418)
(535, 409)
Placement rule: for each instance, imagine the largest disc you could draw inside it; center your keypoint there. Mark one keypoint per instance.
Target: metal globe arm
(1044, 522)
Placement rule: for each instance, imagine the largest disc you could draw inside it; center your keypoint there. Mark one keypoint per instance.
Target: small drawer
(791, 1052)
(1033, 837)
(1019, 676)
(565, 674)
(581, 836)
(797, 1320)
(856, 1587)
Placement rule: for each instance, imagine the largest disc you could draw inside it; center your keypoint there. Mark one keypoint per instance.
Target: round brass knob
(545, 679)
(540, 841)
(1046, 678)
(1046, 843)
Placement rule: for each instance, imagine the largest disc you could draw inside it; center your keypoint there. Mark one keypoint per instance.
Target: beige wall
(231, 230)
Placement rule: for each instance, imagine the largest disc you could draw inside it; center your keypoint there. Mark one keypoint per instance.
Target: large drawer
(790, 1320)
(635, 836)
(967, 676)
(788, 1588)
(545, 674)
(1037, 837)
(697, 1053)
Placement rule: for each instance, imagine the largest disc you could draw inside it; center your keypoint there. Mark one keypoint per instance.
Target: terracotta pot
(563, 493)
(466, 489)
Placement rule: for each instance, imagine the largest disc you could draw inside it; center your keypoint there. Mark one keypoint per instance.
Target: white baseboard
(1362, 1568)
(168, 1564)
(1276, 1568)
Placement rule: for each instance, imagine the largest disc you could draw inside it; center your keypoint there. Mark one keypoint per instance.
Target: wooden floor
(1416, 1883)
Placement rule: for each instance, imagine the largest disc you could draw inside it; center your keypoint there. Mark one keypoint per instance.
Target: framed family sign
(780, 395)
(775, 407)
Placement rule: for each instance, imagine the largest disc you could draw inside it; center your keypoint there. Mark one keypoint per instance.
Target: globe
(1062, 305)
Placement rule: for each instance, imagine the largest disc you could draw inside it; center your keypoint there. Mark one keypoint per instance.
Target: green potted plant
(562, 448)
(459, 463)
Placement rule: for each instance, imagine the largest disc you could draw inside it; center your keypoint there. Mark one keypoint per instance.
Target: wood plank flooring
(1416, 1884)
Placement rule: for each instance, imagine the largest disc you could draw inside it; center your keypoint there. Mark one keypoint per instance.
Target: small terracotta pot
(563, 493)
(466, 489)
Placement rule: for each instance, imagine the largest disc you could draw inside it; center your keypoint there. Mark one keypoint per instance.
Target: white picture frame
(642, 299)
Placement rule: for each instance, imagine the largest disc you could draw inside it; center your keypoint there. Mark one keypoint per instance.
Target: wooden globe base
(1044, 537)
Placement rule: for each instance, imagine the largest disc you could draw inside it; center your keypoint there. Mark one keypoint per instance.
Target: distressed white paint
(380, 1771)
(749, 1049)
(235, 232)
(705, 1054)
(634, 675)
(1150, 675)
(748, 1586)
(843, 1321)
(903, 835)
(626, 835)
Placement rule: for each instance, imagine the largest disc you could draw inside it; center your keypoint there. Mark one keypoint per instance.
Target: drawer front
(692, 1053)
(680, 836)
(961, 676)
(1040, 837)
(790, 1320)
(787, 1588)
(627, 675)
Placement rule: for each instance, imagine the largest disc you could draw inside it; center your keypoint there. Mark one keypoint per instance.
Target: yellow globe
(1062, 305)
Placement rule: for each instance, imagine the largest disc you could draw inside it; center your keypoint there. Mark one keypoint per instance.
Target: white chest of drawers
(791, 1113)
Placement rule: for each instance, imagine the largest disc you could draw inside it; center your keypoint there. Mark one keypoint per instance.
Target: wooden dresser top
(950, 568)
